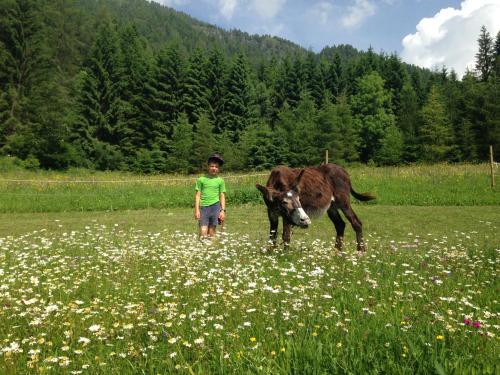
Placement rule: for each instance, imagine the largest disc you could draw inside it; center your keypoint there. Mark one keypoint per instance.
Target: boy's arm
(197, 197)
(222, 214)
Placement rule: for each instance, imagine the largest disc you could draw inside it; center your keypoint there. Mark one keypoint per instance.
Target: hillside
(134, 85)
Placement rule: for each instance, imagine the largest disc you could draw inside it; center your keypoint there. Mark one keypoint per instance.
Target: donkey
(299, 194)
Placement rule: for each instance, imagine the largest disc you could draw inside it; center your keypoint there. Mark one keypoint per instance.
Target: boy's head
(214, 162)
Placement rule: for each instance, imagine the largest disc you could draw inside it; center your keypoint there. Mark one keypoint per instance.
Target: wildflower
(315, 334)
(253, 339)
(84, 340)
(95, 328)
(273, 353)
(440, 337)
(467, 322)
(282, 349)
(476, 324)
(339, 345)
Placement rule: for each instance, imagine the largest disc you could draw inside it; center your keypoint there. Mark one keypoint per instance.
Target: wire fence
(166, 180)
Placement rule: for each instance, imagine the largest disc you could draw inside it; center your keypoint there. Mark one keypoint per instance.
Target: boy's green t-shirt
(210, 188)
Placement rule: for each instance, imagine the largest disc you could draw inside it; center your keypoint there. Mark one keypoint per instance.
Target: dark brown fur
(315, 187)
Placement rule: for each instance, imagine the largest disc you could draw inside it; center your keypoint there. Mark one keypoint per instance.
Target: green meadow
(80, 190)
(108, 277)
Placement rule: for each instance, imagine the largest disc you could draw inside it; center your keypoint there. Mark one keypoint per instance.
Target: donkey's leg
(335, 217)
(273, 222)
(356, 225)
(287, 231)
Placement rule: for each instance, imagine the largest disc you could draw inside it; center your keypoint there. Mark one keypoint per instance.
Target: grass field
(134, 291)
(441, 185)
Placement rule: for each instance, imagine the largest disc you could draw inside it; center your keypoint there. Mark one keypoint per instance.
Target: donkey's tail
(362, 197)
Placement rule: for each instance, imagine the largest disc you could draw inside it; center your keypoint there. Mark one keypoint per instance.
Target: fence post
(326, 156)
(492, 167)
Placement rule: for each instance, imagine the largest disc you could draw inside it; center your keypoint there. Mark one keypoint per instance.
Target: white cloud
(321, 12)
(357, 13)
(267, 8)
(227, 8)
(450, 37)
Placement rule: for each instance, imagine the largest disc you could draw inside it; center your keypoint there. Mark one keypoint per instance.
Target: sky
(428, 33)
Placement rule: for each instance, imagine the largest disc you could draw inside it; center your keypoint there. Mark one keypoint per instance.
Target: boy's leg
(203, 231)
(211, 230)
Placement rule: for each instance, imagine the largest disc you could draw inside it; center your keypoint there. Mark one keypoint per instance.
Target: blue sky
(429, 33)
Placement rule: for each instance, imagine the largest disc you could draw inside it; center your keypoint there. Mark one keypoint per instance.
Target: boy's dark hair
(215, 158)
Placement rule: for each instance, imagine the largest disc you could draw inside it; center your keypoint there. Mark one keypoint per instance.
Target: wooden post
(326, 156)
(492, 167)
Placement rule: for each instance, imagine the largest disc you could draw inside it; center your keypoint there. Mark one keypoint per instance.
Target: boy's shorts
(210, 215)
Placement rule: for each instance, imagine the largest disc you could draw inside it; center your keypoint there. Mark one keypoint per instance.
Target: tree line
(114, 99)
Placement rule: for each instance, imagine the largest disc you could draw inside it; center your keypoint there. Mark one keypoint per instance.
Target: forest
(135, 86)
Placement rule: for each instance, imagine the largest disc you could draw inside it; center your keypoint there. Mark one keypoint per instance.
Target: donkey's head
(287, 203)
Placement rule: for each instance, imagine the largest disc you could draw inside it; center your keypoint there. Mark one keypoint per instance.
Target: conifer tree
(216, 75)
(182, 146)
(262, 147)
(395, 76)
(298, 126)
(238, 100)
(163, 92)
(195, 90)
(33, 106)
(373, 114)
(496, 55)
(334, 77)
(314, 81)
(204, 142)
(328, 134)
(408, 122)
(391, 148)
(435, 134)
(484, 55)
(98, 103)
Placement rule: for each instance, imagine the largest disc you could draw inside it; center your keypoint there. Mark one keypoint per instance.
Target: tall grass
(80, 190)
(103, 299)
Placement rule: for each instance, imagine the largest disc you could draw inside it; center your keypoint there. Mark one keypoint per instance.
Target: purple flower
(467, 322)
(476, 324)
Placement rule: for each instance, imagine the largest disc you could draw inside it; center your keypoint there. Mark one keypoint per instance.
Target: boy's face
(213, 168)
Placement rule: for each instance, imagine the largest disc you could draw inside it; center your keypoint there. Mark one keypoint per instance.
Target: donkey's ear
(268, 196)
(296, 182)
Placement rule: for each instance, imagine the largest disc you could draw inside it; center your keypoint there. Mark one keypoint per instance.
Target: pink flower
(476, 324)
(467, 322)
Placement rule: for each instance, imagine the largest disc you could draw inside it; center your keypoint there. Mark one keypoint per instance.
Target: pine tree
(395, 76)
(216, 75)
(349, 135)
(182, 146)
(195, 90)
(135, 129)
(298, 126)
(33, 106)
(163, 95)
(435, 135)
(496, 54)
(237, 100)
(204, 142)
(485, 55)
(97, 104)
(263, 148)
(373, 114)
(391, 148)
(334, 81)
(408, 122)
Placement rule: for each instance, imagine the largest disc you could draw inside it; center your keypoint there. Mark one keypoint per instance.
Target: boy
(209, 199)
